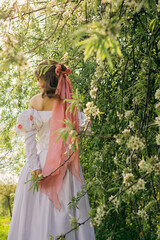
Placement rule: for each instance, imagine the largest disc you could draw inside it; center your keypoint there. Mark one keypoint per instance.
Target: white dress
(34, 216)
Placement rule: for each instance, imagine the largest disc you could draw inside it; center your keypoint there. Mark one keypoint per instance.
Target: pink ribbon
(55, 156)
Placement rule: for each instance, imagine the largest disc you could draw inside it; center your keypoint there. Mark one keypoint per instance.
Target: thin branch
(124, 190)
(153, 124)
(147, 95)
(154, 192)
(121, 7)
(46, 39)
(139, 221)
(27, 13)
(58, 167)
(78, 224)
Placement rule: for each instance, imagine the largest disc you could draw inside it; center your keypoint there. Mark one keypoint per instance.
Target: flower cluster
(119, 115)
(128, 114)
(65, 56)
(126, 133)
(157, 106)
(127, 177)
(11, 53)
(158, 231)
(145, 166)
(157, 120)
(118, 140)
(67, 14)
(115, 201)
(135, 143)
(142, 213)
(152, 164)
(93, 92)
(131, 4)
(140, 185)
(73, 135)
(94, 88)
(91, 109)
(136, 100)
(131, 124)
(100, 214)
(73, 221)
(115, 159)
(157, 94)
(158, 139)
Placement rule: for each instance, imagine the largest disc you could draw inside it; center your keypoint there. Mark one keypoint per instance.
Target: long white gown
(34, 216)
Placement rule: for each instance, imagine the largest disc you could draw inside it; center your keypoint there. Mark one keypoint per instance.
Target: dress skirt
(36, 218)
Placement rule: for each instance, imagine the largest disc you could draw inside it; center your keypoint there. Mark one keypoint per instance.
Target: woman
(46, 213)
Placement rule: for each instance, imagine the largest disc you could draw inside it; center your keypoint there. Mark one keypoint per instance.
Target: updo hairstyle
(46, 71)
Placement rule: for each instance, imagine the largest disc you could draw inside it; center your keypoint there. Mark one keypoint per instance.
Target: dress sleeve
(29, 122)
(83, 122)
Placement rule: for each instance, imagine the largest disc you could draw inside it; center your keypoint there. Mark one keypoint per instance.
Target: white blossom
(118, 140)
(142, 213)
(93, 92)
(157, 120)
(135, 143)
(128, 114)
(140, 184)
(131, 124)
(119, 115)
(73, 135)
(110, 238)
(141, 163)
(157, 94)
(115, 201)
(131, 4)
(127, 160)
(157, 168)
(157, 106)
(67, 14)
(93, 83)
(91, 109)
(146, 166)
(127, 177)
(136, 100)
(98, 72)
(115, 159)
(158, 231)
(158, 139)
(73, 221)
(65, 56)
(100, 214)
(20, 59)
(126, 132)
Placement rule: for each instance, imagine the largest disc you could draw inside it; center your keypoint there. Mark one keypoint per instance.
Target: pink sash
(55, 156)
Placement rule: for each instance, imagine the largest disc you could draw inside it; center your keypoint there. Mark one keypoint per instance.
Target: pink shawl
(55, 156)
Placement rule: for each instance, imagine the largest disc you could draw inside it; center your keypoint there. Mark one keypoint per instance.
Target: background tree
(7, 190)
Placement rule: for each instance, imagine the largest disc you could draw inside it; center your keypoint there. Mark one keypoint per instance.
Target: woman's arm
(29, 122)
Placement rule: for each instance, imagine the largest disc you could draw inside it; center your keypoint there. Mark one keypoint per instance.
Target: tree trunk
(9, 205)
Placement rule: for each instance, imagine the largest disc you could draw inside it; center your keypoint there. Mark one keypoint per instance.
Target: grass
(4, 227)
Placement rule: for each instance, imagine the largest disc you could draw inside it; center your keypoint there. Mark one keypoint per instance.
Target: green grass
(4, 227)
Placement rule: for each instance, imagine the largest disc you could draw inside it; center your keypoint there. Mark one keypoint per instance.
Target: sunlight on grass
(4, 227)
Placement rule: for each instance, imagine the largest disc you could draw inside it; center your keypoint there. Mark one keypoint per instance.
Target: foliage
(113, 48)
(4, 227)
(7, 189)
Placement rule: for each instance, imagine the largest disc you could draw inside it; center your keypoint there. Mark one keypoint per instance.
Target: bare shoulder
(36, 102)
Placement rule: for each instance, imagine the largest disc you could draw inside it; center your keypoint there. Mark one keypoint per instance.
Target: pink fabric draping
(55, 156)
